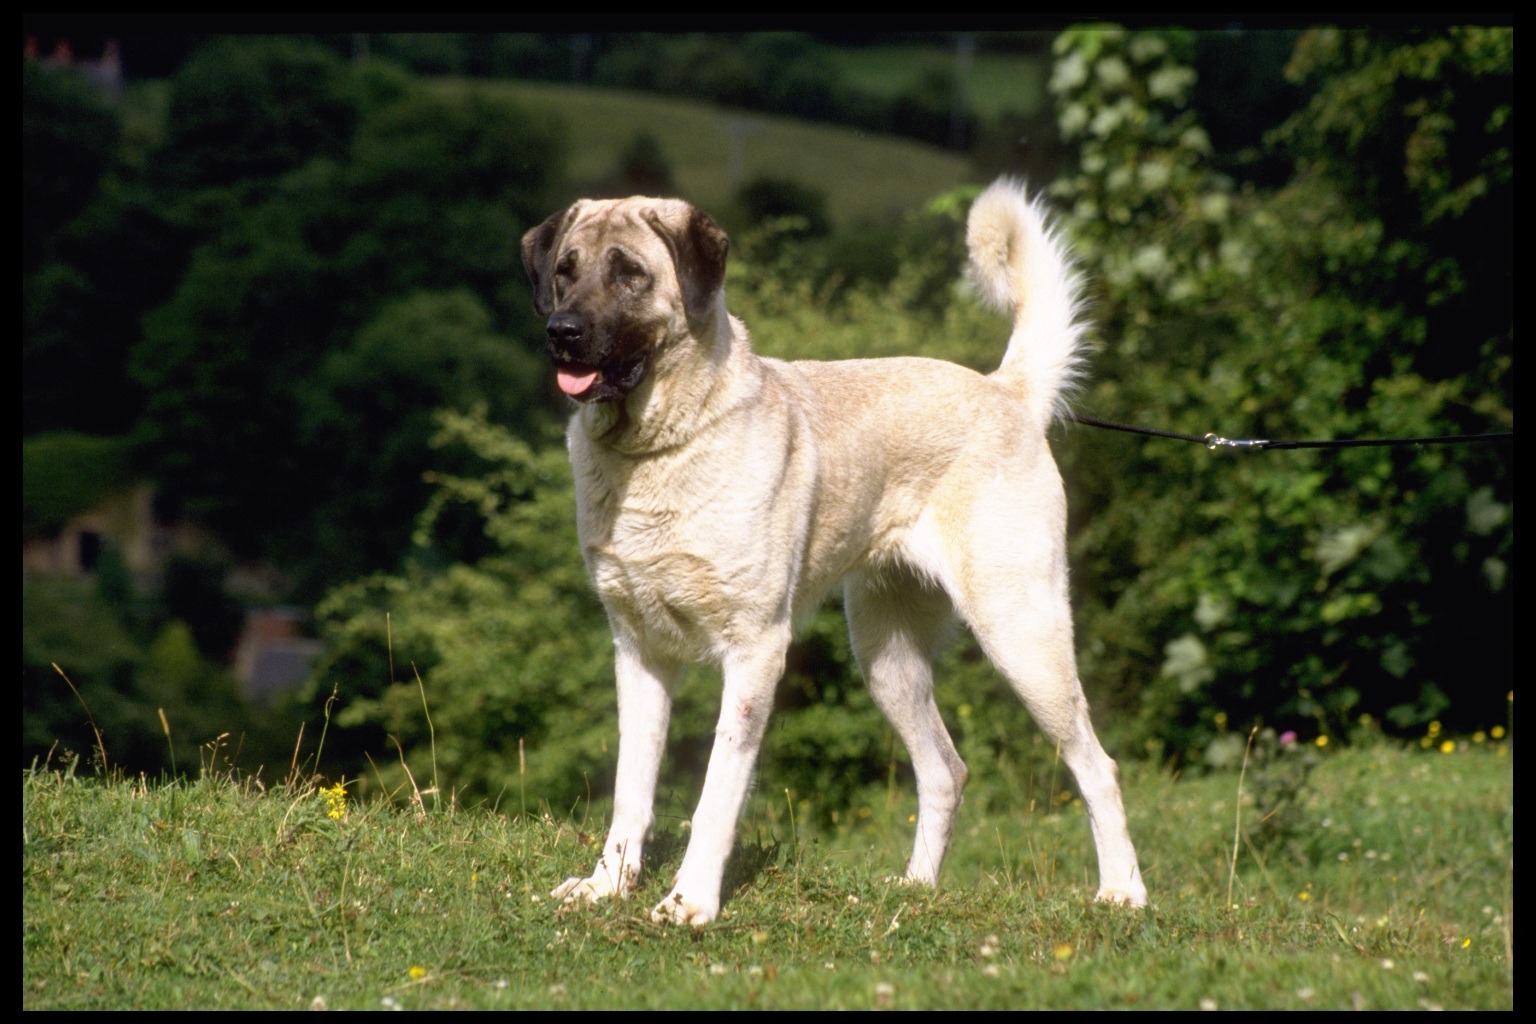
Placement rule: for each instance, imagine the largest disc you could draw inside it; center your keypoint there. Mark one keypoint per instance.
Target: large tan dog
(721, 495)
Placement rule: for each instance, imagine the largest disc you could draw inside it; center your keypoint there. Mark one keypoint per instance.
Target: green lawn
(1392, 889)
(996, 83)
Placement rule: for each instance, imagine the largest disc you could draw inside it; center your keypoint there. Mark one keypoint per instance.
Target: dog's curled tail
(1020, 266)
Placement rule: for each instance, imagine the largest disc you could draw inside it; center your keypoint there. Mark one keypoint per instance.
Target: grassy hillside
(997, 83)
(1390, 887)
(713, 150)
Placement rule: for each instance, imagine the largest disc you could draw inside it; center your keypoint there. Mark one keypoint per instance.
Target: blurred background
(292, 468)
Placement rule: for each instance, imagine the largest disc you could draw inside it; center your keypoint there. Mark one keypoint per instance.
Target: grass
(714, 150)
(997, 83)
(1393, 892)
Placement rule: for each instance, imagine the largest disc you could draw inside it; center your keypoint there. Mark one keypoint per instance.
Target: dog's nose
(566, 328)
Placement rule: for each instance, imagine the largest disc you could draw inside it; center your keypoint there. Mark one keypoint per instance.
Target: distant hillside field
(713, 151)
(996, 83)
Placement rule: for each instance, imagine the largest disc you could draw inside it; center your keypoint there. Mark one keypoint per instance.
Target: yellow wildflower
(335, 801)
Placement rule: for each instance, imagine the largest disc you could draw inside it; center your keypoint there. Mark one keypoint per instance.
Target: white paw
(589, 890)
(1122, 897)
(911, 881)
(679, 909)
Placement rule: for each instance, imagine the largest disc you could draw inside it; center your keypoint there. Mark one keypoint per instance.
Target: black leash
(1215, 441)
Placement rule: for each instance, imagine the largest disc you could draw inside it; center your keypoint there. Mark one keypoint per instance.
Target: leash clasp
(1214, 441)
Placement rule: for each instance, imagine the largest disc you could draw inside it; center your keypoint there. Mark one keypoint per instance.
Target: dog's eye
(566, 268)
(627, 271)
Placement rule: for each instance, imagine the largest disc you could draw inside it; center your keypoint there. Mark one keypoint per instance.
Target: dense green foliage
(68, 134)
(255, 299)
(292, 371)
(241, 297)
(1367, 297)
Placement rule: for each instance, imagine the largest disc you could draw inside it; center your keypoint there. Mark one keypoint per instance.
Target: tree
(1299, 587)
(247, 109)
(245, 367)
(370, 417)
(68, 134)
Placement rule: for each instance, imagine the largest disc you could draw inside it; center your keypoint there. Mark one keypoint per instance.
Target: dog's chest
(660, 571)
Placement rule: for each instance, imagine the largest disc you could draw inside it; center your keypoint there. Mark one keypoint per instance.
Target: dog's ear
(699, 247)
(539, 245)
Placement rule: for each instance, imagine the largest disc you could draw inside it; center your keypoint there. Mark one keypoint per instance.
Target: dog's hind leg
(1016, 603)
(897, 623)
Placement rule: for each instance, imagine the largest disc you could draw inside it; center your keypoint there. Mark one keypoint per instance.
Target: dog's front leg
(645, 706)
(750, 680)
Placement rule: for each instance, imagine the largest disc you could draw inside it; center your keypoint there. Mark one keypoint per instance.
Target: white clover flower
(1112, 72)
(1106, 120)
(1194, 138)
(1145, 47)
(1154, 175)
(1170, 83)
(1073, 119)
(1070, 73)
(1215, 206)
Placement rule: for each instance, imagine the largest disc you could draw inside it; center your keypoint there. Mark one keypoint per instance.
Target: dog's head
(620, 279)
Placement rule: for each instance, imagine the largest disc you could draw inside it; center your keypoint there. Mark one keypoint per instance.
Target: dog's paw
(679, 909)
(911, 881)
(1134, 898)
(588, 890)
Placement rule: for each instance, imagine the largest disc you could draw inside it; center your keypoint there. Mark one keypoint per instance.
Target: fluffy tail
(1022, 267)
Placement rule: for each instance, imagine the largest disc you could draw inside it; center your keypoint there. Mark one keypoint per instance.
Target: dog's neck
(688, 387)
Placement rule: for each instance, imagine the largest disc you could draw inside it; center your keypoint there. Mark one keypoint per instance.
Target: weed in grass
(101, 746)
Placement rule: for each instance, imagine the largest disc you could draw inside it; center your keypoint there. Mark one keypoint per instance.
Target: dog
(721, 495)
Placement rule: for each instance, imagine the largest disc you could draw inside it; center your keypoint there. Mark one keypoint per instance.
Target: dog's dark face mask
(606, 288)
(604, 325)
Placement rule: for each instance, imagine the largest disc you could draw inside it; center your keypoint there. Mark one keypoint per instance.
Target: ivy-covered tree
(1368, 297)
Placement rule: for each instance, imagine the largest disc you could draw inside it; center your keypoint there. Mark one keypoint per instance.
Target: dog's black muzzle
(577, 353)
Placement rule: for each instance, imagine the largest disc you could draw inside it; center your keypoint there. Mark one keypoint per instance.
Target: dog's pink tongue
(574, 384)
